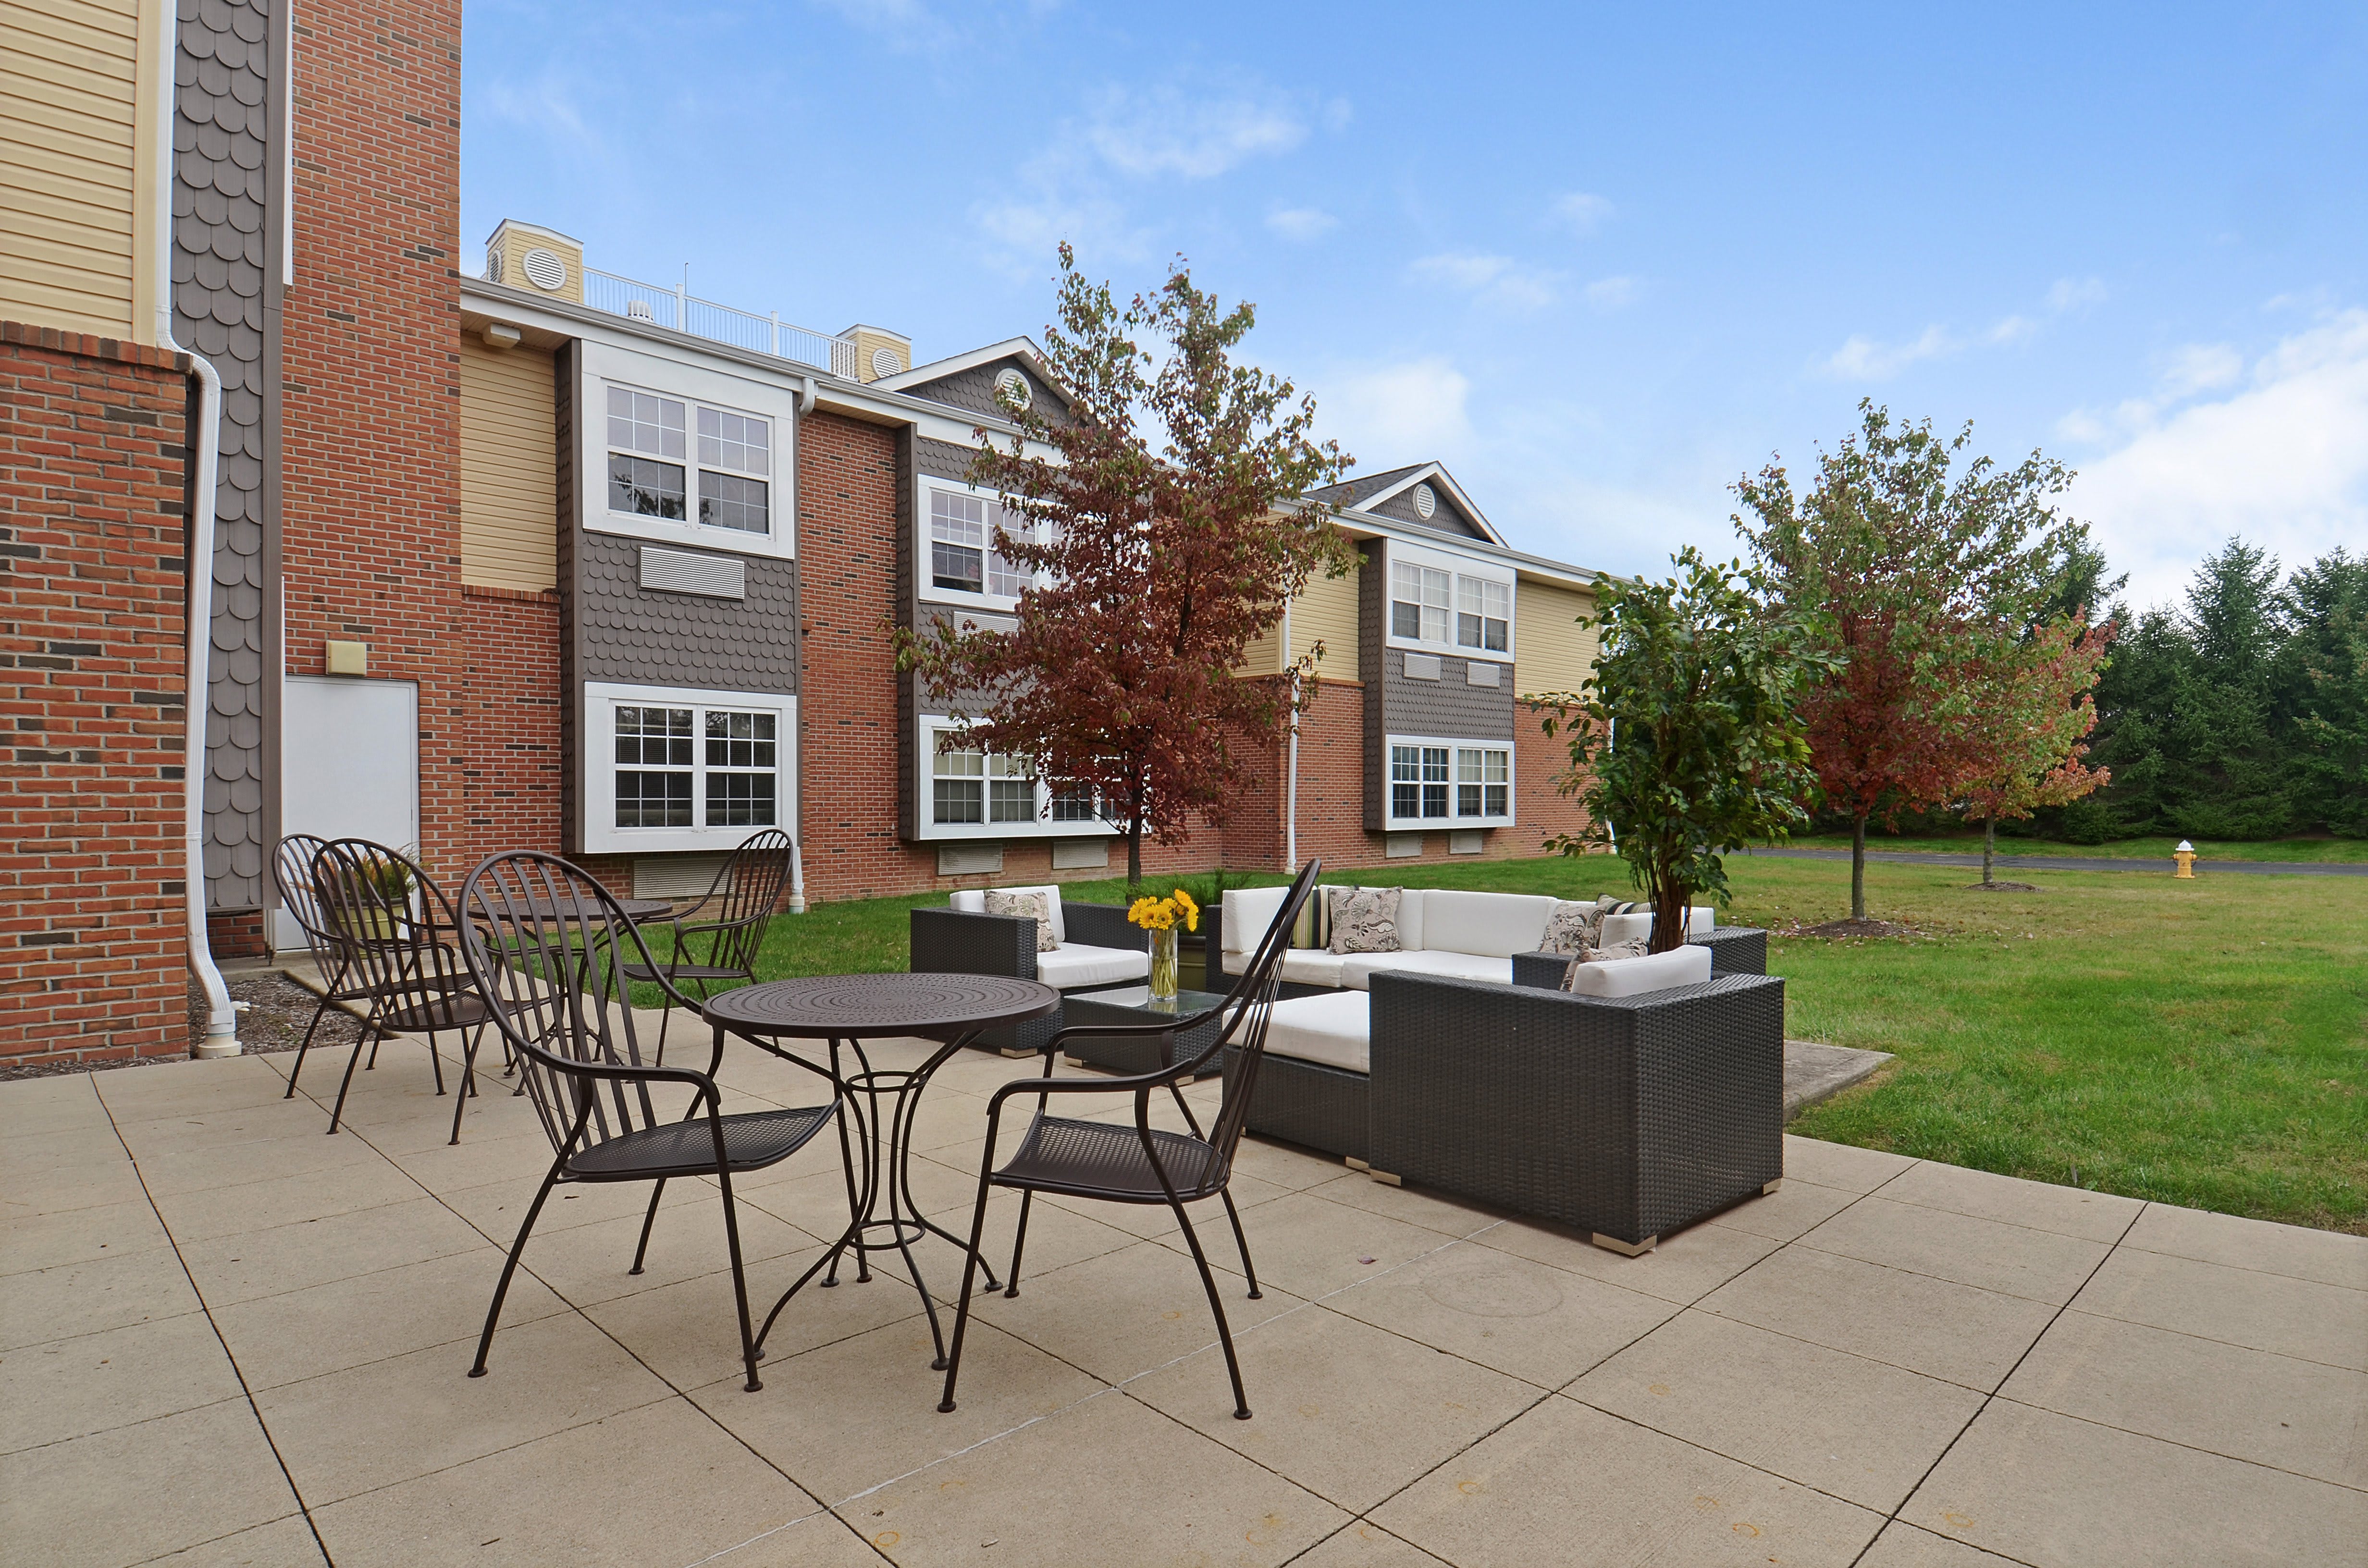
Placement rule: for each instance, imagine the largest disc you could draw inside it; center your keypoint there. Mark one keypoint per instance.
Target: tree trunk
(1858, 868)
(1989, 847)
(1669, 911)
(1134, 856)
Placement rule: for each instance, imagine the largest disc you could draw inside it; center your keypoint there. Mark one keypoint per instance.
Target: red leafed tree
(1157, 565)
(2039, 708)
(1923, 581)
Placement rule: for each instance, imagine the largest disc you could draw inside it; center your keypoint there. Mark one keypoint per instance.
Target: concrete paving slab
(1682, 1269)
(2237, 1306)
(2057, 1493)
(95, 1382)
(1566, 1482)
(1788, 1212)
(297, 1257)
(1310, 1245)
(1128, 1312)
(1366, 1545)
(1902, 1545)
(45, 1241)
(283, 1543)
(2068, 1211)
(2014, 1260)
(139, 1492)
(689, 1333)
(1841, 1165)
(85, 1297)
(1814, 1073)
(2327, 1257)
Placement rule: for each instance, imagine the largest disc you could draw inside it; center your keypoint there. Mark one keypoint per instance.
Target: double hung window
(975, 786)
(650, 474)
(1484, 782)
(961, 545)
(1420, 601)
(1418, 782)
(1484, 614)
(688, 767)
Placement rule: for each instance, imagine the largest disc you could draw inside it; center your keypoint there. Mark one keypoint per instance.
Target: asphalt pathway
(2086, 863)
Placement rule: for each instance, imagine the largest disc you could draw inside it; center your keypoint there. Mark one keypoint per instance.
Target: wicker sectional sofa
(1098, 951)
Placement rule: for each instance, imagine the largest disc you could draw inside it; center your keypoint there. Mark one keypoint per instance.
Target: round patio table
(847, 1010)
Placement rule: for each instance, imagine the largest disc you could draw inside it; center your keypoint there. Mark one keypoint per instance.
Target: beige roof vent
(1426, 502)
(1012, 386)
(544, 269)
(523, 255)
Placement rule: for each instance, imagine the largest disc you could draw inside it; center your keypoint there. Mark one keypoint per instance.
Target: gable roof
(939, 369)
(1371, 493)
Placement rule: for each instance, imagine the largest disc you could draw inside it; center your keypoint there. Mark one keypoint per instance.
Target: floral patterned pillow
(1027, 906)
(1365, 920)
(1572, 927)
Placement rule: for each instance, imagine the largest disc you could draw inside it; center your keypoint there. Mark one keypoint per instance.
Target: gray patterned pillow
(1027, 906)
(1365, 920)
(1571, 927)
(1592, 954)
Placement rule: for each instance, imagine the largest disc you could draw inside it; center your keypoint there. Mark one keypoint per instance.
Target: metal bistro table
(846, 1010)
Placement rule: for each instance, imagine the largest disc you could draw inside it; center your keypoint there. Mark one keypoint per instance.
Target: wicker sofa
(1627, 1117)
(1098, 951)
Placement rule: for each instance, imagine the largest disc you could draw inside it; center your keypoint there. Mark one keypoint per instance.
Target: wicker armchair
(955, 941)
(1626, 1118)
(1734, 949)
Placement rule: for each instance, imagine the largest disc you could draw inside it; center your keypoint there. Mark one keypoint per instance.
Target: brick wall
(93, 470)
(370, 439)
(507, 697)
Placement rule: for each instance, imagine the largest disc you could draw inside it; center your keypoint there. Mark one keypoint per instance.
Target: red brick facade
(510, 716)
(93, 471)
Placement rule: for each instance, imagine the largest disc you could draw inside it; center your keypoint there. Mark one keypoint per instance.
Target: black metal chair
(291, 873)
(391, 929)
(739, 909)
(532, 930)
(1116, 1163)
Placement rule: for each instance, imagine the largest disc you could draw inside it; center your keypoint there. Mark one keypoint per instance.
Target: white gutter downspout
(1291, 778)
(222, 1017)
(797, 904)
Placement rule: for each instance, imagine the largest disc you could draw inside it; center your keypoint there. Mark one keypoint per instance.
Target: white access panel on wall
(348, 765)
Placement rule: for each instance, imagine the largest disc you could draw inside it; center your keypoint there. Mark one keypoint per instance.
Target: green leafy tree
(2036, 718)
(1689, 745)
(1159, 566)
(2320, 681)
(1920, 575)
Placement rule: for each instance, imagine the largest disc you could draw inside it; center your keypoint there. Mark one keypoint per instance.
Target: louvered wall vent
(678, 571)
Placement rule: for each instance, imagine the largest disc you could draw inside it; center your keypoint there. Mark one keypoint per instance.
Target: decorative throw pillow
(1600, 955)
(1312, 929)
(1611, 906)
(1365, 920)
(1571, 927)
(1027, 906)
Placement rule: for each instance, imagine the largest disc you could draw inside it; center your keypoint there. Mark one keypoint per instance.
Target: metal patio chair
(1117, 1163)
(532, 927)
(391, 933)
(718, 937)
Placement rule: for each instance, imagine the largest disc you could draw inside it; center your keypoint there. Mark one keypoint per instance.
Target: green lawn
(2203, 1043)
(2208, 849)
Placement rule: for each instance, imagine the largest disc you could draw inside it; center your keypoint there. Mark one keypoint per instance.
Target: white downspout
(222, 1017)
(1290, 778)
(797, 904)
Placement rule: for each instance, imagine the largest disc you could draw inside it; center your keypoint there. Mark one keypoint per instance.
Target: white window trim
(929, 726)
(1455, 566)
(605, 365)
(929, 592)
(596, 759)
(1454, 743)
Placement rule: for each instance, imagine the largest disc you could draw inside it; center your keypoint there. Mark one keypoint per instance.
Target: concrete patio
(232, 1340)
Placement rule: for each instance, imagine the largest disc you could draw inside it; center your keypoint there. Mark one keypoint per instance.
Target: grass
(2207, 850)
(2203, 1043)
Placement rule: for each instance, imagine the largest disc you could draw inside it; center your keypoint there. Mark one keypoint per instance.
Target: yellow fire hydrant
(2185, 855)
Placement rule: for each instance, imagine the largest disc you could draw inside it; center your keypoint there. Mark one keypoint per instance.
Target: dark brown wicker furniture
(1734, 949)
(528, 922)
(1132, 1004)
(718, 937)
(846, 1010)
(1117, 1163)
(956, 941)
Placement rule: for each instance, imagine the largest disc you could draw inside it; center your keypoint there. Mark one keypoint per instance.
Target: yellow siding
(1324, 611)
(509, 479)
(1550, 653)
(515, 239)
(72, 150)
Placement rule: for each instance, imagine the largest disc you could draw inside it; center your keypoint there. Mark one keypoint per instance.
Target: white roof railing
(677, 308)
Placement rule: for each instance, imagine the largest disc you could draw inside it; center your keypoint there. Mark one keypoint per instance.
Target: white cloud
(1581, 212)
(2072, 293)
(2011, 329)
(1610, 293)
(1391, 414)
(546, 105)
(2283, 461)
(1493, 280)
(1302, 223)
(1164, 132)
(1864, 359)
(2200, 366)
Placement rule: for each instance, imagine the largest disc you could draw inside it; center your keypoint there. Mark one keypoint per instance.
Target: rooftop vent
(637, 309)
(544, 269)
(1013, 388)
(1426, 501)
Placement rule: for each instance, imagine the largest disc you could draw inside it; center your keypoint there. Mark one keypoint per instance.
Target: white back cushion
(1414, 907)
(1494, 925)
(1633, 977)
(973, 900)
(1247, 912)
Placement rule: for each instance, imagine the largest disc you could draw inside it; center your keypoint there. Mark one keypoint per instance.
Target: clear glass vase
(1162, 965)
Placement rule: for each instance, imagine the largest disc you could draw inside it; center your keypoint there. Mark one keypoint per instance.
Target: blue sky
(1600, 260)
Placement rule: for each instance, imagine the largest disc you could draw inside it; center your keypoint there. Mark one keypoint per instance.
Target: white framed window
(673, 452)
(1441, 781)
(969, 792)
(963, 564)
(1449, 603)
(678, 769)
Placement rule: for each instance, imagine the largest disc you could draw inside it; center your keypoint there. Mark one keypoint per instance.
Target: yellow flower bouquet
(1160, 917)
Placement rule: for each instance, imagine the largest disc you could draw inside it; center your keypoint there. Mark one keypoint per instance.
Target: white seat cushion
(1332, 1032)
(1497, 925)
(1301, 966)
(973, 900)
(1634, 977)
(1359, 969)
(1073, 964)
